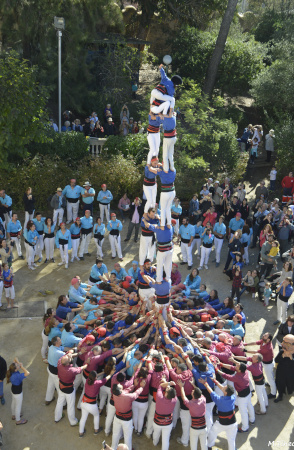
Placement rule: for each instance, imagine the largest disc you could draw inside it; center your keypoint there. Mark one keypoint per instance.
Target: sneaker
(242, 431)
(42, 293)
(148, 436)
(61, 263)
(2, 400)
(276, 322)
(21, 257)
(271, 396)
(206, 266)
(200, 268)
(139, 433)
(98, 431)
(214, 260)
(39, 260)
(183, 263)
(189, 267)
(278, 399)
(81, 435)
(77, 258)
(46, 260)
(216, 264)
(81, 258)
(53, 260)
(179, 441)
(126, 240)
(62, 416)
(76, 424)
(31, 267)
(48, 403)
(72, 260)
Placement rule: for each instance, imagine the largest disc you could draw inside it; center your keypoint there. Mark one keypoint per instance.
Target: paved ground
(22, 337)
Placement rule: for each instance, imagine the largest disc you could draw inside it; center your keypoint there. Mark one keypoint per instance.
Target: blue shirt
(149, 174)
(31, 236)
(206, 238)
(68, 339)
(236, 329)
(187, 232)
(167, 82)
(116, 225)
(97, 272)
(235, 225)
(198, 230)
(220, 228)
(88, 306)
(106, 194)
(52, 228)
(134, 274)
(176, 209)
(121, 275)
(74, 229)
(87, 223)
(167, 178)
(6, 200)
(96, 291)
(88, 200)
(99, 229)
(224, 403)
(54, 354)
(72, 193)
(208, 374)
(156, 122)
(39, 224)
(14, 227)
(169, 123)
(161, 289)
(55, 332)
(61, 311)
(165, 235)
(195, 284)
(245, 238)
(77, 295)
(17, 378)
(66, 236)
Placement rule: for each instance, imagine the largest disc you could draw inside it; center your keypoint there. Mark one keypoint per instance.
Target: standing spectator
(104, 198)
(58, 203)
(287, 185)
(285, 368)
(63, 242)
(76, 126)
(176, 211)
(3, 370)
(98, 131)
(109, 128)
(219, 231)
(208, 238)
(228, 183)
(66, 127)
(14, 232)
(284, 292)
(176, 276)
(124, 127)
(241, 192)
(86, 127)
(284, 230)
(244, 209)
(49, 239)
(194, 211)
(29, 204)
(124, 205)
(53, 125)
(217, 197)
(269, 144)
(72, 193)
(273, 177)
(16, 378)
(88, 194)
(107, 110)
(261, 190)
(124, 114)
(114, 227)
(253, 150)
(135, 129)
(6, 206)
(131, 124)
(99, 232)
(136, 212)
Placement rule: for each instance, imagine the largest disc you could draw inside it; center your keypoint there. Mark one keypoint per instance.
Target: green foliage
(284, 145)
(45, 173)
(205, 133)
(22, 106)
(191, 173)
(70, 146)
(135, 145)
(241, 60)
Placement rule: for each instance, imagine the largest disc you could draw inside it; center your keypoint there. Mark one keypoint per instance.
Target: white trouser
(154, 144)
(28, 217)
(146, 250)
(163, 309)
(230, 430)
(150, 192)
(155, 94)
(282, 310)
(70, 400)
(16, 405)
(185, 417)
(31, 255)
(119, 426)
(197, 241)
(72, 211)
(1, 290)
(218, 243)
(164, 261)
(49, 247)
(269, 373)
(78, 380)
(115, 246)
(104, 395)
(246, 255)
(261, 396)
(109, 418)
(99, 247)
(146, 295)
(58, 215)
(26, 250)
(85, 241)
(64, 253)
(198, 434)
(104, 209)
(17, 245)
(7, 217)
(150, 418)
(40, 246)
(187, 253)
(82, 394)
(52, 384)
(164, 432)
(166, 199)
(246, 410)
(87, 409)
(139, 411)
(10, 292)
(168, 148)
(44, 344)
(205, 252)
(74, 248)
(176, 413)
(209, 415)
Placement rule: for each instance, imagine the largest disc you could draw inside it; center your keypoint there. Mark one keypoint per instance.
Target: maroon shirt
(164, 406)
(184, 377)
(67, 374)
(266, 350)
(196, 407)
(96, 360)
(176, 278)
(123, 402)
(255, 368)
(238, 350)
(93, 390)
(240, 380)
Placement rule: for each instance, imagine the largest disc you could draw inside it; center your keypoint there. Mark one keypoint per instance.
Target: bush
(241, 61)
(45, 173)
(70, 146)
(284, 146)
(134, 145)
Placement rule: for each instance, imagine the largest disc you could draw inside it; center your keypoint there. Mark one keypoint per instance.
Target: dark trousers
(268, 155)
(272, 185)
(236, 293)
(130, 230)
(88, 207)
(229, 259)
(266, 269)
(256, 231)
(284, 243)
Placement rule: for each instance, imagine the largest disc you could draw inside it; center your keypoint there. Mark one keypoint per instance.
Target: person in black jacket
(29, 204)
(3, 370)
(285, 328)
(136, 212)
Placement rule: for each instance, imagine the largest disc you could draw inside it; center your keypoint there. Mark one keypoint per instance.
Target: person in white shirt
(269, 144)
(273, 177)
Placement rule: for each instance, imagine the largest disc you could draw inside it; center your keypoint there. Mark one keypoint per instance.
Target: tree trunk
(219, 47)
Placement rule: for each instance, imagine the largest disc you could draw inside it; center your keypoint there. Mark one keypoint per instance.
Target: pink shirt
(145, 391)
(93, 389)
(123, 203)
(240, 380)
(223, 356)
(67, 374)
(164, 405)
(255, 368)
(238, 350)
(157, 376)
(266, 350)
(96, 360)
(136, 217)
(197, 407)
(123, 402)
(184, 377)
